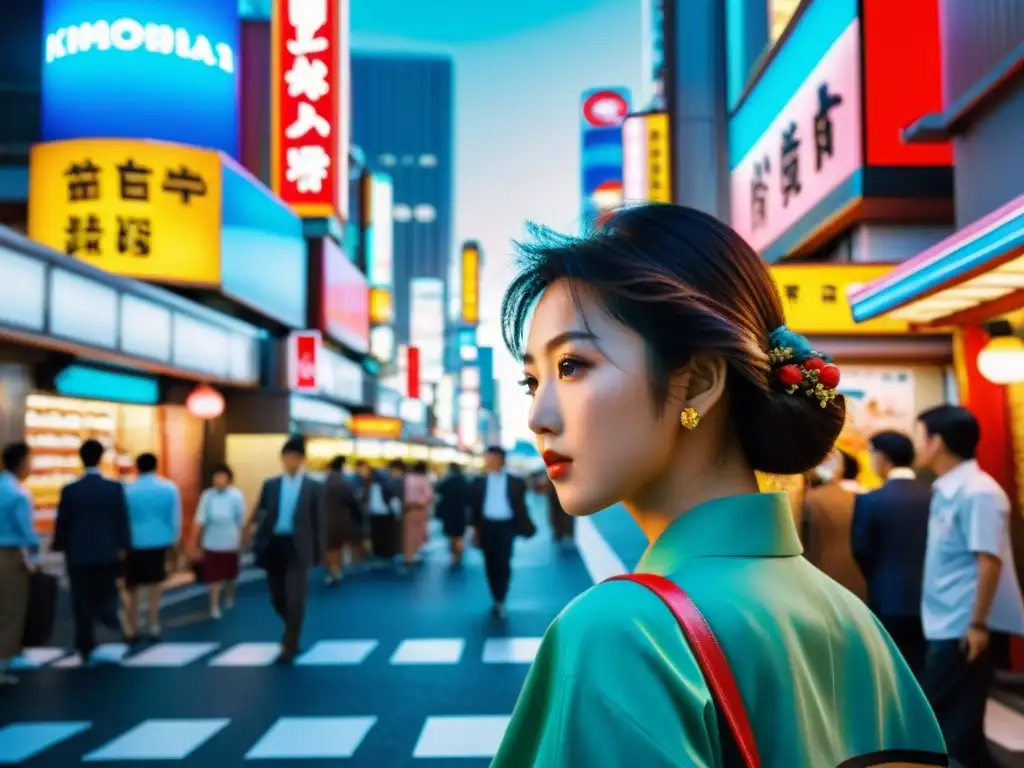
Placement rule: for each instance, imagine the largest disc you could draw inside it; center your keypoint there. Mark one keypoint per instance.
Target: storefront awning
(974, 274)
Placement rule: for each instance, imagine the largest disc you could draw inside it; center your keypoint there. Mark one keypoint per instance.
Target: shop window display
(55, 428)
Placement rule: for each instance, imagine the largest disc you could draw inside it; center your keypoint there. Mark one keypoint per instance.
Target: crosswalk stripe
(511, 650)
(170, 655)
(337, 653)
(312, 738)
(159, 740)
(33, 658)
(107, 652)
(1004, 726)
(429, 651)
(247, 655)
(23, 741)
(465, 736)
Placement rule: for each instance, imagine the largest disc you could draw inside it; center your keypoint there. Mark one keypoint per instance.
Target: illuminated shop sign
(128, 34)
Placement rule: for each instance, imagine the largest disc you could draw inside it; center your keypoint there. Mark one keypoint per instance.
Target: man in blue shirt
(18, 541)
(288, 541)
(154, 516)
(970, 587)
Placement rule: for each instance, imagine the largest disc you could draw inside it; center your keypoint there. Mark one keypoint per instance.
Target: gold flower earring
(689, 418)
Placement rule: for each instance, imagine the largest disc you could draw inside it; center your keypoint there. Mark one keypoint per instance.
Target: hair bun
(793, 425)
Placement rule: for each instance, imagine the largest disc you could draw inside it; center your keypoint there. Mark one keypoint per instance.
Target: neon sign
(127, 34)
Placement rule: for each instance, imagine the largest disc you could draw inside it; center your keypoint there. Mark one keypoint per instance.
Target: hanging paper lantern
(205, 402)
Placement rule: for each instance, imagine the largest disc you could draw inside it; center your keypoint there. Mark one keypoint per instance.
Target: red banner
(412, 372)
(303, 361)
(309, 103)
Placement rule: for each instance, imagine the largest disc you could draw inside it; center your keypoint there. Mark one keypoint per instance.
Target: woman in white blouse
(218, 532)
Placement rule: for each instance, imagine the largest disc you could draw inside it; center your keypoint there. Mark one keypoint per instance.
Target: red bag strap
(710, 658)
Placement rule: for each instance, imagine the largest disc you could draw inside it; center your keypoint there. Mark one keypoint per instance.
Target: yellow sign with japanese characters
(816, 298)
(143, 209)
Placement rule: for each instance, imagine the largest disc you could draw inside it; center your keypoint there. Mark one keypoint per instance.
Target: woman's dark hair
(686, 283)
(958, 428)
(895, 446)
(337, 464)
(851, 467)
(397, 465)
(223, 469)
(419, 468)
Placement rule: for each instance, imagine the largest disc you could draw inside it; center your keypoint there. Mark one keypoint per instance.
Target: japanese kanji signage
(816, 300)
(142, 209)
(309, 106)
(304, 361)
(812, 146)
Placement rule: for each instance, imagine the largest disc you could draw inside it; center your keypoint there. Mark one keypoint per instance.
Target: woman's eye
(529, 384)
(568, 368)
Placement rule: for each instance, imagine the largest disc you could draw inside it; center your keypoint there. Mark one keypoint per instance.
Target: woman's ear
(705, 383)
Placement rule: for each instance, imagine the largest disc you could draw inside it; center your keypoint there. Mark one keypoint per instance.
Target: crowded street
(394, 668)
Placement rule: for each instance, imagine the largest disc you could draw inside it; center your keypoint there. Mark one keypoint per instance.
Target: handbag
(710, 658)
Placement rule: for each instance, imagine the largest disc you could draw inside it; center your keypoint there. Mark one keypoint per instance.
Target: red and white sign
(812, 146)
(412, 372)
(304, 361)
(310, 104)
(605, 109)
(204, 402)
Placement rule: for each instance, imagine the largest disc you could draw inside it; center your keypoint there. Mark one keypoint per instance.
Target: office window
(424, 213)
(401, 212)
(428, 161)
(388, 160)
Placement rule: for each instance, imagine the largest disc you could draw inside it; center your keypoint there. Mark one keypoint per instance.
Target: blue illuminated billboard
(152, 69)
(602, 111)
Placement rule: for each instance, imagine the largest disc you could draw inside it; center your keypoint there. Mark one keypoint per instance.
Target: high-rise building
(402, 120)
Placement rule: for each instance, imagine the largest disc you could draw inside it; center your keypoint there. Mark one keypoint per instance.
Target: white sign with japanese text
(811, 147)
(309, 105)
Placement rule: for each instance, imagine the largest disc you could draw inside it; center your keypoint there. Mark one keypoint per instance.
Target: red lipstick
(557, 464)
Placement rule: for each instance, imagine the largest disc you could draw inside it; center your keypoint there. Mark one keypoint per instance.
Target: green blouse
(615, 685)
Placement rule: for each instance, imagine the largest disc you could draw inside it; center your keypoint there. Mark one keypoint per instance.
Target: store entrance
(55, 428)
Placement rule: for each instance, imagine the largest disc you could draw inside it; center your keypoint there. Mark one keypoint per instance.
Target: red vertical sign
(309, 98)
(413, 372)
(303, 361)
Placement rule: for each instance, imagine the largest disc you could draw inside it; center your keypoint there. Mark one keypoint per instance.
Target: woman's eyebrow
(559, 340)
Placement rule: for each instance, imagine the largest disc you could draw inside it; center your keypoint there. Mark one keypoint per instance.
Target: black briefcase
(42, 610)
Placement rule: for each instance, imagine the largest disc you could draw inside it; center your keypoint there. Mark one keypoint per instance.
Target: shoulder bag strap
(710, 658)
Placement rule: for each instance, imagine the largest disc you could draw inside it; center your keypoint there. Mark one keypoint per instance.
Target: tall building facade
(402, 120)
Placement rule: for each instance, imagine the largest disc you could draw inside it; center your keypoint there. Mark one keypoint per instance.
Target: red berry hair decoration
(797, 367)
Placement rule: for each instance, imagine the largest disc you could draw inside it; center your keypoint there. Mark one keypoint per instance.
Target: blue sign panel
(152, 69)
(485, 362)
(602, 111)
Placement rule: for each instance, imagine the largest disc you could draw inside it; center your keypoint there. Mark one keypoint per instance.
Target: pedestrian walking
(216, 537)
(343, 523)
(154, 518)
(453, 510)
(19, 544)
(382, 516)
(499, 514)
(93, 532)
(418, 496)
(890, 533)
(970, 589)
(287, 540)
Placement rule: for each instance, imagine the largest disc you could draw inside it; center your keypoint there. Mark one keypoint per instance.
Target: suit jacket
(516, 488)
(92, 521)
(890, 533)
(829, 511)
(307, 533)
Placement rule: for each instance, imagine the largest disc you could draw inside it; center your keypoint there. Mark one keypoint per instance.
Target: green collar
(750, 525)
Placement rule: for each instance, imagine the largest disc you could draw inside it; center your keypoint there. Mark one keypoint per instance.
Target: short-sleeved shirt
(970, 515)
(221, 513)
(615, 683)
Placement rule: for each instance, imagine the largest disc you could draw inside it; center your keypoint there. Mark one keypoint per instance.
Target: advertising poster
(876, 399)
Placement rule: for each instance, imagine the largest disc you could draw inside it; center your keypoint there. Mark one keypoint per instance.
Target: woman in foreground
(662, 376)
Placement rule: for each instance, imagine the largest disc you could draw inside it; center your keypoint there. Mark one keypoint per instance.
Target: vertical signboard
(413, 372)
(380, 235)
(304, 361)
(427, 325)
(309, 97)
(646, 162)
(471, 283)
(602, 111)
(485, 365)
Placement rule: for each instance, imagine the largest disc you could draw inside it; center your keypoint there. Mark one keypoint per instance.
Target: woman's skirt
(145, 567)
(415, 524)
(219, 566)
(383, 536)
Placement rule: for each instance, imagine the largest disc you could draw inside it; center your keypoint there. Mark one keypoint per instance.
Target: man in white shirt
(970, 583)
(498, 507)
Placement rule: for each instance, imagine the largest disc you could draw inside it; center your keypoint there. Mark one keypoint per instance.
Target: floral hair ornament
(798, 367)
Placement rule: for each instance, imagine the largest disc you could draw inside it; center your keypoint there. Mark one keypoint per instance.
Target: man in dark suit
(499, 514)
(890, 532)
(289, 540)
(93, 533)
